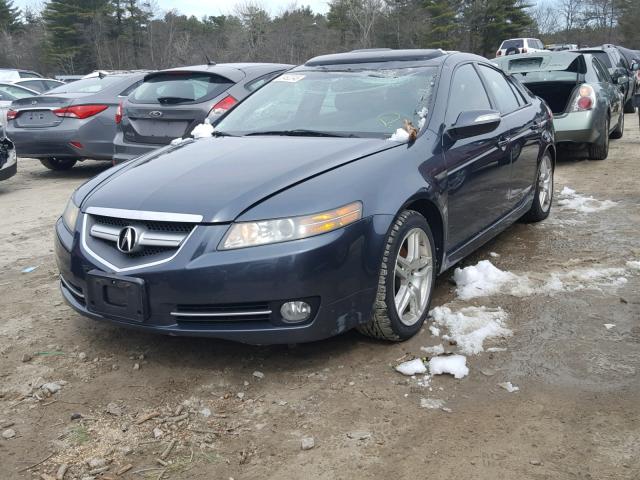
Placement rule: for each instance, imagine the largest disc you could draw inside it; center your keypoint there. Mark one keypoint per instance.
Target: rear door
(520, 124)
(169, 104)
(477, 172)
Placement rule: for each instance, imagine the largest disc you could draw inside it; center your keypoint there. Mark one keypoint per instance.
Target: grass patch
(79, 434)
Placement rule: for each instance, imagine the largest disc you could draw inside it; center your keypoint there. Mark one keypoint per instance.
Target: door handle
(502, 143)
(536, 127)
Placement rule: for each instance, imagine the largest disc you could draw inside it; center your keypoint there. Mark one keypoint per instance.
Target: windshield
(88, 85)
(367, 103)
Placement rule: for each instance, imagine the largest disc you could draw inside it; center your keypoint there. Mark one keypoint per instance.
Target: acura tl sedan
(327, 200)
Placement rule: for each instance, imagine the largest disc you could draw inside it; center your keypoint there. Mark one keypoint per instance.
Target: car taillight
(119, 113)
(12, 114)
(80, 111)
(223, 105)
(585, 99)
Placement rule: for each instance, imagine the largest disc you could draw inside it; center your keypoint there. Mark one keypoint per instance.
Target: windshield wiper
(303, 132)
(167, 100)
(218, 133)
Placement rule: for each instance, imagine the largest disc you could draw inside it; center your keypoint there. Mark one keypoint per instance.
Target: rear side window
(28, 75)
(467, 93)
(37, 85)
(127, 91)
(254, 85)
(601, 72)
(88, 85)
(604, 58)
(512, 43)
(501, 90)
(174, 88)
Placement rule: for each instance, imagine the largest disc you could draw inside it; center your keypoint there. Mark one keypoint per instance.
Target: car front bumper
(578, 127)
(336, 272)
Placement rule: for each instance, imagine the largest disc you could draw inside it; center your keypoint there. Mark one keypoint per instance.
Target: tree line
(78, 36)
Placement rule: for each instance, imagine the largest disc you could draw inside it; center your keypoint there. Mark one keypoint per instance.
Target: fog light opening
(293, 312)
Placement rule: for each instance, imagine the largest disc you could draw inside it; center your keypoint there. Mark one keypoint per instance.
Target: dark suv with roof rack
(170, 103)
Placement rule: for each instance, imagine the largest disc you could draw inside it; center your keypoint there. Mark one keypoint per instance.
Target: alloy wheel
(413, 276)
(545, 183)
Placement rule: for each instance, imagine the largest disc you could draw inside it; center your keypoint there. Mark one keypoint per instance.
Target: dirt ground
(576, 415)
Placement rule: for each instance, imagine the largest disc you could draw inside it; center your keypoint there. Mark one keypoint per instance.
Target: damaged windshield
(359, 103)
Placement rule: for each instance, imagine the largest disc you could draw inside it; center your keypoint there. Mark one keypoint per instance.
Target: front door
(478, 168)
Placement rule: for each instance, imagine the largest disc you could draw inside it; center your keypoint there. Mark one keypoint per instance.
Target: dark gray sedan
(170, 103)
(75, 121)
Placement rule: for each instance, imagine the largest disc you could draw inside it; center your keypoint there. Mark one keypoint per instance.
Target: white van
(513, 46)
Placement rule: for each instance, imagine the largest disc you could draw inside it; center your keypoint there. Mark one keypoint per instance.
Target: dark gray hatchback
(170, 103)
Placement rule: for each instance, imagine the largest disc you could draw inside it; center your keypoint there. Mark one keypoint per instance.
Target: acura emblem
(155, 113)
(127, 239)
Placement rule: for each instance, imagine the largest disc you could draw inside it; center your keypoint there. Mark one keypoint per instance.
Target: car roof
(376, 55)
(233, 71)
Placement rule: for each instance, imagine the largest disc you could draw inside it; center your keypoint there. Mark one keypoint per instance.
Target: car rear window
(174, 88)
(88, 85)
(512, 44)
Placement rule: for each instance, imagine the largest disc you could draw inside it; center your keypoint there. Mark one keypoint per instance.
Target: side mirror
(622, 80)
(635, 66)
(473, 123)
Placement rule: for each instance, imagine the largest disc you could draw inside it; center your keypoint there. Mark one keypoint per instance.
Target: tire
(58, 164)
(600, 150)
(628, 106)
(619, 130)
(543, 197)
(386, 323)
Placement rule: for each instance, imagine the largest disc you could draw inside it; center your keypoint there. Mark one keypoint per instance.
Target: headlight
(250, 234)
(70, 215)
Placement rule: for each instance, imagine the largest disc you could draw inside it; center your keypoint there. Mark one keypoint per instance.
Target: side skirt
(488, 233)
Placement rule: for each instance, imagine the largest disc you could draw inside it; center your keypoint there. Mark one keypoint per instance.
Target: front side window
(172, 88)
(15, 93)
(501, 90)
(467, 93)
(357, 102)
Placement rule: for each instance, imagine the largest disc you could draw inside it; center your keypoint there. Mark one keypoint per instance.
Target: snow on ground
(431, 403)
(469, 327)
(570, 200)
(609, 326)
(411, 367)
(485, 279)
(509, 387)
(433, 351)
(202, 130)
(635, 264)
(455, 365)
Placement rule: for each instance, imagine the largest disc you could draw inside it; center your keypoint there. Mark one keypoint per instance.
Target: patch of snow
(178, 141)
(431, 403)
(455, 365)
(424, 382)
(435, 331)
(469, 327)
(634, 264)
(433, 351)
(570, 200)
(202, 130)
(496, 349)
(400, 135)
(484, 279)
(411, 367)
(494, 254)
(609, 326)
(509, 387)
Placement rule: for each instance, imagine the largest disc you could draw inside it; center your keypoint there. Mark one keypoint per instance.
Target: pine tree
(442, 25)
(9, 16)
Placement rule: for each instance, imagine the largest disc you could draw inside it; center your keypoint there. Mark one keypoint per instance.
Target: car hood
(220, 178)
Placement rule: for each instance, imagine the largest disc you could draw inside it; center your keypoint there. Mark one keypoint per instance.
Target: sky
(201, 8)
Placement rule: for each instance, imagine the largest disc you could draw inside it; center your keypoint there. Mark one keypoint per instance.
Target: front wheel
(600, 150)
(58, 164)
(619, 130)
(543, 198)
(407, 276)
